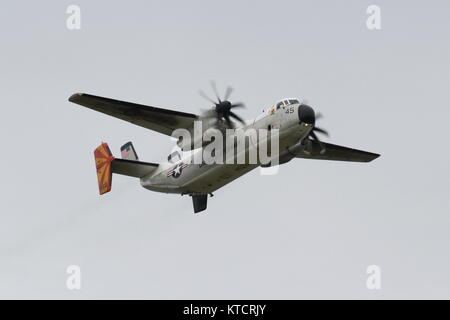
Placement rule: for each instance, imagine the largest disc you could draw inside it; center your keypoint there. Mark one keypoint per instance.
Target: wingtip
(74, 97)
(374, 156)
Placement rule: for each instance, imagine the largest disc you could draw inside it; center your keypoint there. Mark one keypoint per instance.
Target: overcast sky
(308, 232)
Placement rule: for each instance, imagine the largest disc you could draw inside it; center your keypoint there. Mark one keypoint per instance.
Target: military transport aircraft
(295, 121)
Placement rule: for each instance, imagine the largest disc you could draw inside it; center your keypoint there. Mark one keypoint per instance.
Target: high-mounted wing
(330, 151)
(157, 119)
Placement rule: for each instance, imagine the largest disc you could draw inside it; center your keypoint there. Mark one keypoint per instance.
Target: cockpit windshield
(281, 104)
(286, 102)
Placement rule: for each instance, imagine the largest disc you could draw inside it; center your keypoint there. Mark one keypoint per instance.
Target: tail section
(106, 165)
(103, 160)
(128, 152)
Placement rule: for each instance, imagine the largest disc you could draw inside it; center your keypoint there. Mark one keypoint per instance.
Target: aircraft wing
(161, 120)
(335, 152)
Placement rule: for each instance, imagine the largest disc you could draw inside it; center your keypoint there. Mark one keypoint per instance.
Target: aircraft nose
(306, 114)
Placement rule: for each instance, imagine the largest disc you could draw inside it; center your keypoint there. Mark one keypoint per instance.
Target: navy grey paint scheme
(298, 138)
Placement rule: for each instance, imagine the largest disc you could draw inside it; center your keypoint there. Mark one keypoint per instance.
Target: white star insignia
(177, 170)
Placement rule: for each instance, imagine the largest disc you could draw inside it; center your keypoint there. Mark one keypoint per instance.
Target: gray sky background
(308, 232)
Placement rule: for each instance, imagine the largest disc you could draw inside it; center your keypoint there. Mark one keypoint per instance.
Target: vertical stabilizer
(103, 158)
(128, 152)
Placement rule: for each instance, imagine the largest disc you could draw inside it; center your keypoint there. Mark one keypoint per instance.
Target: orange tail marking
(103, 158)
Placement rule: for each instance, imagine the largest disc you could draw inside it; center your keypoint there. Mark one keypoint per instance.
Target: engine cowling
(196, 138)
(288, 154)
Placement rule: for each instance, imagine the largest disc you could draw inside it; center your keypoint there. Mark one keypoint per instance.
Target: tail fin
(128, 152)
(103, 160)
(106, 165)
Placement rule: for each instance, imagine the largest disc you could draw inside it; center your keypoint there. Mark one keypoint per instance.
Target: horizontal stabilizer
(133, 168)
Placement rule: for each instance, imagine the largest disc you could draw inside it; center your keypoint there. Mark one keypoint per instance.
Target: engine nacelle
(197, 138)
(288, 154)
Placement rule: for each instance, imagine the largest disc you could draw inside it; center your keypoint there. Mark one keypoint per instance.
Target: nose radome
(306, 114)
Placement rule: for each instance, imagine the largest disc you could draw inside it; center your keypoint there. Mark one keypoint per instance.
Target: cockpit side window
(279, 105)
(293, 101)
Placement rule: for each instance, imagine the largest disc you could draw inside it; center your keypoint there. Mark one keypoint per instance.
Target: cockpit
(280, 104)
(286, 102)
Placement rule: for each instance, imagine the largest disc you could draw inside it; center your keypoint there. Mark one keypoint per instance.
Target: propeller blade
(209, 113)
(238, 105)
(222, 108)
(314, 136)
(321, 131)
(214, 87)
(203, 95)
(228, 121)
(235, 116)
(228, 93)
(319, 115)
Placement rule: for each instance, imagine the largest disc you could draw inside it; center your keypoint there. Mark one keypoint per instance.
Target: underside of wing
(161, 120)
(330, 151)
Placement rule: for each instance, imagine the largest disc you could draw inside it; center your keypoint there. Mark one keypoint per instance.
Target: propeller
(308, 116)
(222, 108)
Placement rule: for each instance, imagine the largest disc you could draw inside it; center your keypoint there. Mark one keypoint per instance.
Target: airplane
(297, 138)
